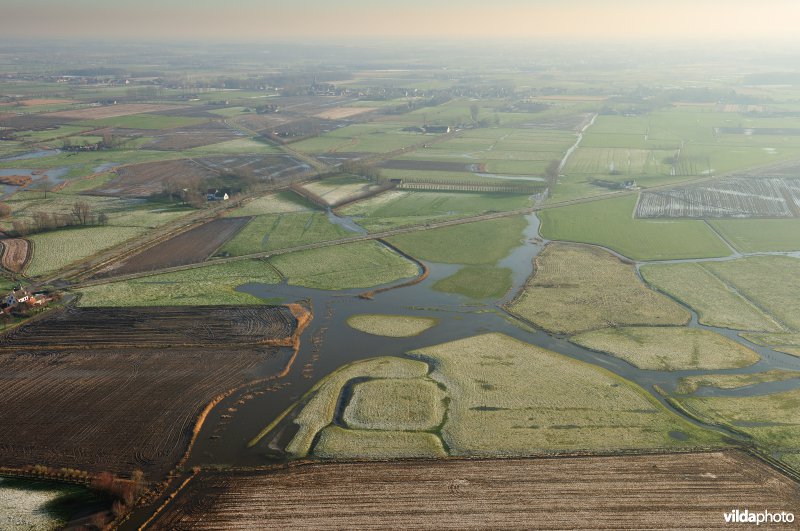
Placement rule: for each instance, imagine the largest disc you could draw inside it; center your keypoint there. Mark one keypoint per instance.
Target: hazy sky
(284, 19)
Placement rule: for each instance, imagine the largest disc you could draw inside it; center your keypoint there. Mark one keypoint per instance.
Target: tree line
(81, 214)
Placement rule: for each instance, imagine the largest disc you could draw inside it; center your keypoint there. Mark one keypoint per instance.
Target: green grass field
(716, 302)
(511, 398)
(770, 282)
(690, 384)
(610, 223)
(760, 235)
(319, 404)
(405, 208)
(146, 121)
(483, 242)
(58, 249)
(664, 348)
(772, 420)
(278, 231)
(477, 282)
(355, 265)
(209, 285)
(391, 325)
(576, 288)
(396, 405)
(339, 443)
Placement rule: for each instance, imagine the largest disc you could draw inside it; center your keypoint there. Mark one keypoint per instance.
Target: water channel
(330, 343)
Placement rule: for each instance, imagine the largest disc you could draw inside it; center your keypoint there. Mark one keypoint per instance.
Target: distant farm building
(217, 195)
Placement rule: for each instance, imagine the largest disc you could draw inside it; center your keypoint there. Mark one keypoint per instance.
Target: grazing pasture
(512, 398)
(212, 284)
(576, 288)
(482, 242)
(278, 231)
(770, 282)
(320, 404)
(623, 492)
(477, 282)
(55, 250)
(716, 302)
(668, 348)
(760, 235)
(772, 420)
(610, 223)
(100, 112)
(354, 265)
(690, 384)
(391, 325)
(404, 208)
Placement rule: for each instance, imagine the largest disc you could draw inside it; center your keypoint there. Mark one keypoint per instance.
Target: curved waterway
(330, 343)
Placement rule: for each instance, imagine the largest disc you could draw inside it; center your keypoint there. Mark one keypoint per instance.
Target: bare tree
(82, 212)
(20, 227)
(474, 112)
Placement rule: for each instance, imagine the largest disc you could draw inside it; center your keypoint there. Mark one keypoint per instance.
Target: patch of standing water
(330, 343)
(105, 167)
(34, 155)
(54, 176)
(346, 222)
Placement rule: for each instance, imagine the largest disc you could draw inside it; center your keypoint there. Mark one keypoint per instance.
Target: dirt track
(633, 492)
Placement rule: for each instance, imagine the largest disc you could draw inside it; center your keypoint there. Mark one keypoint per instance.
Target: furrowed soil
(72, 328)
(16, 253)
(192, 136)
(632, 492)
(88, 405)
(190, 247)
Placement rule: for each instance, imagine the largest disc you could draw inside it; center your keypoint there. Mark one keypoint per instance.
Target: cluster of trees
(360, 169)
(192, 190)
(81, 214)
(125, 491)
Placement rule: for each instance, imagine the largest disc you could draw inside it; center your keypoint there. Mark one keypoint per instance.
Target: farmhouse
(22, 298)
(213, 194)
(437, 129)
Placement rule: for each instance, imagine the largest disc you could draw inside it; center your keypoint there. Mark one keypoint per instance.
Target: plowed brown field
(676, 491)
(190, 247)
(84, 404)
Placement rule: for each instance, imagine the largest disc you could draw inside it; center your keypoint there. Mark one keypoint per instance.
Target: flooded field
(330, 343)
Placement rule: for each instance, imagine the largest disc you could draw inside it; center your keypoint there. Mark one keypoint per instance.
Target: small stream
(329, 343)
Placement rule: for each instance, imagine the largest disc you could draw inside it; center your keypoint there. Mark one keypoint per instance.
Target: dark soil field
(676, 491)
(430, 165)
(16, 252)
(275, 167)
(146, 179)
(33, 122)
(113, 111)
(179, 326)
(193, 136)
(118, 409)
(190, 247)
